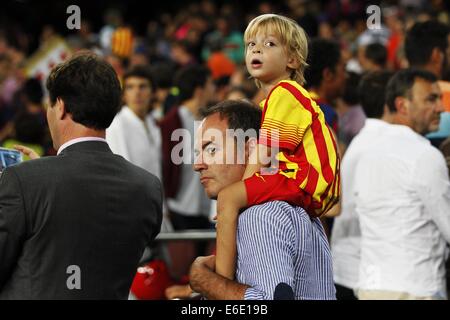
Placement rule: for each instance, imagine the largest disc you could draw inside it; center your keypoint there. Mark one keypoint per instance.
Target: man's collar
(78, 140)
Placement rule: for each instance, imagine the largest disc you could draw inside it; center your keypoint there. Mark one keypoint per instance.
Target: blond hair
(291, 35)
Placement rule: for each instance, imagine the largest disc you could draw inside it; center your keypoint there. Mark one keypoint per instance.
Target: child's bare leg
(229, 202)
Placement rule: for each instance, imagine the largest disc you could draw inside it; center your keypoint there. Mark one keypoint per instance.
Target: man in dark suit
(74, 226)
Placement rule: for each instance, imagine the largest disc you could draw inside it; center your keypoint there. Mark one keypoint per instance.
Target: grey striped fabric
(281, 243)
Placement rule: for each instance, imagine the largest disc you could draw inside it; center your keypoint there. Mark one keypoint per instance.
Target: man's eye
(432, 99)
(211, 150)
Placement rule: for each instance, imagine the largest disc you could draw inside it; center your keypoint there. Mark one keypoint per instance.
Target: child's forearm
(226, 247)
(229, 202)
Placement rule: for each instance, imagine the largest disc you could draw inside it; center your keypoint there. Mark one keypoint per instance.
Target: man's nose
(199, 165)
(440, 106)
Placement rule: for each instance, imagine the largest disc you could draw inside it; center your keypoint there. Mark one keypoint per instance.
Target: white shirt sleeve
(433, 185)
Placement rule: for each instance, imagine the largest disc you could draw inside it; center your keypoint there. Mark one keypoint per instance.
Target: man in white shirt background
(346, 234)
(134, 133)
(402, 198)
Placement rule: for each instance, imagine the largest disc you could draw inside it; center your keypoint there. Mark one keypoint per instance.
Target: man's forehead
(210, 127)
(426, 87)
(215, 121)
(134, 80)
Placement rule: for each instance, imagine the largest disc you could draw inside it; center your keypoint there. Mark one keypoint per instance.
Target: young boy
(308, 170)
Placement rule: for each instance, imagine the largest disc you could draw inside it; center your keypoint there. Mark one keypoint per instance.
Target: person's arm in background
(334, 211)
(27, 151)
(271, 246)
(433, 185)
(12, 223)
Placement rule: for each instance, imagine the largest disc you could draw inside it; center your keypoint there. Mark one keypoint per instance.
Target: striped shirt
(277, 242)
(294, 122)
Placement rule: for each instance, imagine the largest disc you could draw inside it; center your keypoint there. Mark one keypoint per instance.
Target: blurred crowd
(205, 33)
(194, 57)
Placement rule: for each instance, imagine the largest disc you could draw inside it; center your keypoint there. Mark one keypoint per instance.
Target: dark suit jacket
(86, 208)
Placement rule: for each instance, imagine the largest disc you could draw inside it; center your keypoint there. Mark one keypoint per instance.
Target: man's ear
(327, 74)
(198, 91)
(60, 109)
(437, 56)
(401, 105)
(250, 146)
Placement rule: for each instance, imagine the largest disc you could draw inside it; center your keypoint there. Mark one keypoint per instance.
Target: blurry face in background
(424, 106)
(138, 59)
(326, 31)
(180, 55)
(222, 26)
(137, 94)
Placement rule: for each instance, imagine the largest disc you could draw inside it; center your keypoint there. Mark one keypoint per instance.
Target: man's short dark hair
(189, 78)
(422, 38)
(377, 53)
(239, 113)
(90, 89)
(322, 54)
(402, 82)
(140, 71)
(32, 89)
(372, 93)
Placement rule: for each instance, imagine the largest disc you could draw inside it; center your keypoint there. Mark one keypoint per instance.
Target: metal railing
(196, 235)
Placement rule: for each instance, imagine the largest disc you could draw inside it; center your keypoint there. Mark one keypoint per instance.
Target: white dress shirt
(137, 141)
(346, 234)
(402, 198)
